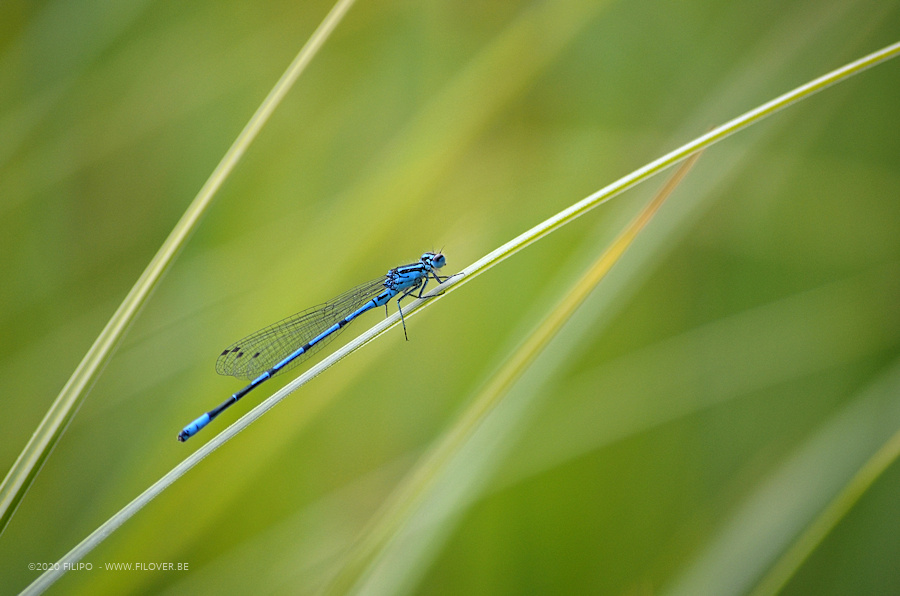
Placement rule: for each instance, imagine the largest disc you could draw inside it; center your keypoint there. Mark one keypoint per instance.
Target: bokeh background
(720, 388)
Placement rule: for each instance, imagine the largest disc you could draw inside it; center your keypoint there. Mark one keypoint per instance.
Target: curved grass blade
(63, 409)
(469, 273)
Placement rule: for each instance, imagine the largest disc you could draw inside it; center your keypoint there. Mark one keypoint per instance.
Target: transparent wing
(260, 351)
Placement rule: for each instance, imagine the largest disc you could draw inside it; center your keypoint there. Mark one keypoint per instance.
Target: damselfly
(287, 343)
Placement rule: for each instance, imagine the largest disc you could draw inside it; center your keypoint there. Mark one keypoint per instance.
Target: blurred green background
(721, 387)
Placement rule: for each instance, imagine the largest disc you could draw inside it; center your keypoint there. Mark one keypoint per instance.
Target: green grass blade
(63, 409)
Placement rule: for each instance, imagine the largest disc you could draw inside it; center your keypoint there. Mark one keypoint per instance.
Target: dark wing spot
(255, 355)
(238, 349)
(225, 353)
(241, 354)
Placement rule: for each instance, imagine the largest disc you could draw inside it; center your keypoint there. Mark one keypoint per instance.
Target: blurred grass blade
(464, 276)
(63, 409)
(417, 489)
(786, 504)
(788, 564)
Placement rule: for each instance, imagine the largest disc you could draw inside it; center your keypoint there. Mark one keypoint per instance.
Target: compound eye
(438, 261)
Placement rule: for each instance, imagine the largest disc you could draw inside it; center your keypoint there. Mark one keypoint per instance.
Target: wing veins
(260, 351)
